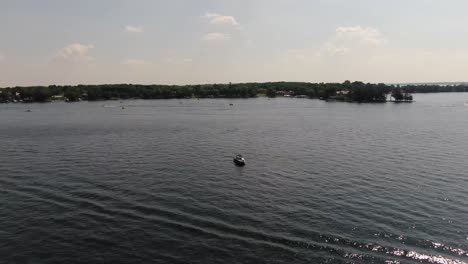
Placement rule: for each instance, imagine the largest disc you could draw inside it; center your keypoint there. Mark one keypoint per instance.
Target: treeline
(347, 91)
(434, 88)
(126, 91)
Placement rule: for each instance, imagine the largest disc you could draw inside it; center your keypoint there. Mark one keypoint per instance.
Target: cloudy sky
(207, 41)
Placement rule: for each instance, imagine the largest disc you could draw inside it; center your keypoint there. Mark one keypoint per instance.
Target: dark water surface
(155, 182)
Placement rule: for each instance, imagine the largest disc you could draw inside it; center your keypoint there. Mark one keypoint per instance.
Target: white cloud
(296, 54)
(216, 36)
(75, 52)
(174, 60)
(134, 29)
(217, 19)
(347, 39)
(366, 35)
(134, 62)
(331, 49)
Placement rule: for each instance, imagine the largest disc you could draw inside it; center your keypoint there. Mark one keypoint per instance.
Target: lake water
(154, 182)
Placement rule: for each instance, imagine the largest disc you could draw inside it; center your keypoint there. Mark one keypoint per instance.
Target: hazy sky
(206, 41)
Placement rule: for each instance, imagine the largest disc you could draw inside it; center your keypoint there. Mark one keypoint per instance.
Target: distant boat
(29, 110)
(239, 160)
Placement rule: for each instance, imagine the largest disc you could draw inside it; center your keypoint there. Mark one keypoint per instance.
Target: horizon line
(256, 82)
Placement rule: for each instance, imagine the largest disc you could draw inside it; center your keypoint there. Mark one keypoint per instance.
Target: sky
(219, 41)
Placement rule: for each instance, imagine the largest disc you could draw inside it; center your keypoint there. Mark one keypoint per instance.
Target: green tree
(397, 94)
(271, 93)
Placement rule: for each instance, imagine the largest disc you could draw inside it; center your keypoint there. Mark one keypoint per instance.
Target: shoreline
(207, 98)
(345, 92)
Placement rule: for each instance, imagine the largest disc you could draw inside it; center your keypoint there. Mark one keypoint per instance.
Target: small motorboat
(239, 160)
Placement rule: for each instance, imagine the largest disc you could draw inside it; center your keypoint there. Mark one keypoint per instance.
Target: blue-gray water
(155, 182)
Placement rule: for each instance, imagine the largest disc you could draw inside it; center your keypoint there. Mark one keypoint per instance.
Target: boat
(239, 160)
